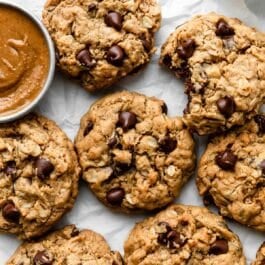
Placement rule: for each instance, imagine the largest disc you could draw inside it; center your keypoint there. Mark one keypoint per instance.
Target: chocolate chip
(112, 141)
(223, 29)
(226, 106)
(167, 60)
(220, 246)
(260, 120)
(127, 120)
(262, 166)
(167, 144)
(10, 212)
(114, 19)
(115, 196)
(147, 43)
(183, 71)
(85, 58)
(208, 199)
(226, 160)
(42, 258)
(122, 168)
(115, 55)
(88, 128)
(91, 7)
(10, 168)
(164, 108)
(75, 232)
(186, 49)
(162, 239)
(44, 168)
(173, 238)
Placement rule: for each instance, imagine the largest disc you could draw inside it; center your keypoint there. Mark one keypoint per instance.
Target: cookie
(260, 258)
(67, 246)
(134, 157)
(183, 235)
(39, 175)
(223, 64)
(100, 41)
(231, 173)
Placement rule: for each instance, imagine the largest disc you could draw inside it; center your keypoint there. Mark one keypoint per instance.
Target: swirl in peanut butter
(24, 60)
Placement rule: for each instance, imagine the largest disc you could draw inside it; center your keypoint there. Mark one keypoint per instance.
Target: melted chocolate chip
(127, 120)
(260, 120)
(42, 258)
(114, 19)
(10, 212)
(88, 128)
(115, 196)
(186, 49)
(85, 58)
(167, 144)
(10, 168)
(223, 29)
(226, 106)
(44, 168)
(220, 246)
(115, 55)
(226, 160)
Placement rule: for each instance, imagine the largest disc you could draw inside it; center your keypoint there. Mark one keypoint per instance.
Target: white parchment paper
(66, 102)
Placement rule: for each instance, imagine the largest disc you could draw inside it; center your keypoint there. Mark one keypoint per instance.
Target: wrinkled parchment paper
(66, 102)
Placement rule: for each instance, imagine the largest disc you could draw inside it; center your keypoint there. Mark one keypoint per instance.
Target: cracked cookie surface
(223, 64)
(182, 235)
(39, 175)
(100, 41)
(231, 173)
(67, 246)
(260, 258)
(133, 156)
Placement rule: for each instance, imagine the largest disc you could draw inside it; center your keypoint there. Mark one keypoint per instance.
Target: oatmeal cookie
(100, 41)
(223, 64)
(39, 175)
(133, 156)
(231, 173)
(183, 235)
(67, 246)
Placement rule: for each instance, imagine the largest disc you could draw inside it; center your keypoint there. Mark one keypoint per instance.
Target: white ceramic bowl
(27, 108)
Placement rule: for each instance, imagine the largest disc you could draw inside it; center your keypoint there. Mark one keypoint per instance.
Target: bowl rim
(28, 107)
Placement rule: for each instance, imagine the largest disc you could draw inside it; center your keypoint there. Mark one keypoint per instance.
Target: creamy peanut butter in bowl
(27, 61)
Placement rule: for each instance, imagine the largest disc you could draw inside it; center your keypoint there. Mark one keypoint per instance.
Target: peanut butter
(24, 60)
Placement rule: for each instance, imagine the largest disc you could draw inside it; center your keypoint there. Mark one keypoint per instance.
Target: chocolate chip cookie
(223, 64)
(39, 175)
(231, 173)
(67, 246)
(133, 156)
(100, 41)
(260, 258)
(183, 235)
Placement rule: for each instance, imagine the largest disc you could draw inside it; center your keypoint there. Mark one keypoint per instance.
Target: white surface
(66, 102)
